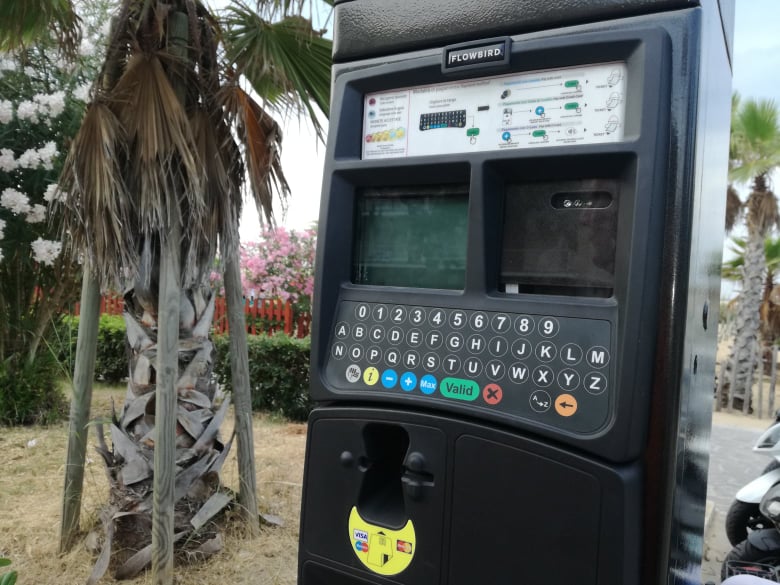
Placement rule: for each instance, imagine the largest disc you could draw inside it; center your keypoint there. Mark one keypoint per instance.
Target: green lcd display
(411, 237)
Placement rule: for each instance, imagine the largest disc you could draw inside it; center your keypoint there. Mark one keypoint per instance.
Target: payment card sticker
(381, 550)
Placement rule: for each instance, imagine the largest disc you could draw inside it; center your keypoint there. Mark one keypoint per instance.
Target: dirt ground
(31, 485)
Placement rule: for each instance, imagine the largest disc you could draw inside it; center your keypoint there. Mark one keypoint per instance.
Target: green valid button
(571, 106)
(571, 83)
(459, 389)
(538, 133)
(472, 132)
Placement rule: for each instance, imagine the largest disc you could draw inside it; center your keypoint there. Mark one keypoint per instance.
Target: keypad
(551, 369)
(434, 120)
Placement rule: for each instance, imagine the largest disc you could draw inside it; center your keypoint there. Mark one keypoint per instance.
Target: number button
(457, 319)
(362, 311)
(437, 318)
(417, 315)
(478, 321)
(501, 323)
(380, 313)
(398, 314)
(548, 327)
(524, 324)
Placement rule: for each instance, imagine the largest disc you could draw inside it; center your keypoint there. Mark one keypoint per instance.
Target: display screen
(559, 238)
(411, 236)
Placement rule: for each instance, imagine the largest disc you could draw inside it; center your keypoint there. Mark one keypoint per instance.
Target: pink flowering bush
(280, 266)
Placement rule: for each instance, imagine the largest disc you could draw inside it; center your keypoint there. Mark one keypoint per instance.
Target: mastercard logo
(404, 547)
(361, 546)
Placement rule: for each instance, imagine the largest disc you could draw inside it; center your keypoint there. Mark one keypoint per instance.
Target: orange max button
(566, 405)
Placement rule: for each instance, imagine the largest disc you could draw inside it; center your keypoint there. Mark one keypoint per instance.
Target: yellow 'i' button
(371, 376)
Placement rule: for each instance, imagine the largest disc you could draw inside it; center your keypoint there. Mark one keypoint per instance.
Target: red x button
(492, 393)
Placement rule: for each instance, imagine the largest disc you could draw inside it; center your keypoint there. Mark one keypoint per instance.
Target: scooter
(744, 514)
(759, 553)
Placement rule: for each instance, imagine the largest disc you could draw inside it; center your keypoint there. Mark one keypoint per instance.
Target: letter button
(472, 366)
(359, 332)
(475, 343)
(414, 337)
(434, 339)
(571, 354)
(540, 401)
(377, 333)
(543, 376)
(374, 355)
(342, 330)
(451, 364)
(431, 362)
(454, 341)
(568, 379)
(595, 383)
(498, 346)
(597, 357)
(545, 351)
(395, 335)
(339, 350)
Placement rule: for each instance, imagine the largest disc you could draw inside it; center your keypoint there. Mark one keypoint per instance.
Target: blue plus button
(408, 381)
(389, 378)
(428, 384)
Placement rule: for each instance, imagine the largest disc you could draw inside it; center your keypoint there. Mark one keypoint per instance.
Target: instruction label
(554, 107)
(381, 550)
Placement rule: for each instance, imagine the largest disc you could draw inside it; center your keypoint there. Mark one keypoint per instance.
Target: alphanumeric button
(548, 326)
(597, 357)
(518, 372)
(543, 376)
(359, 332)
(451, 364)
(431, 362)
(521, 348)
(395, 335)
(501, 323)
(478, 321)
(376, 333)
(545, 351)
(568, 379)
(356, 352)
(437, 317)
(398, 314)
(475, 343)
(495, 370)
(595, 383)
(454, 341)
(472, 367)
(339, 350)
(411, 359)
(457, 319)
(524, 324)
(498, 346)
(434, 339)
(540, 401)
(362, 311)
(373, 355)
(380, 313)
(392, 357)
(417, 315)
(414, 337)
(342, 330)
(571, 354)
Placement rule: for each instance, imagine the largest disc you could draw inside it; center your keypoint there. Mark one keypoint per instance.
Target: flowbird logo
(467, 55)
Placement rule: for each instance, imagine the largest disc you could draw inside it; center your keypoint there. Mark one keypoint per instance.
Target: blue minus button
(389, 378)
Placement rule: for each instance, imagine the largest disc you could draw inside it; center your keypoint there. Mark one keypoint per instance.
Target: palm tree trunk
(747, 322)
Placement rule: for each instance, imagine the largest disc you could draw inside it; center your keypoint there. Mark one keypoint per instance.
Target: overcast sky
(756, 74)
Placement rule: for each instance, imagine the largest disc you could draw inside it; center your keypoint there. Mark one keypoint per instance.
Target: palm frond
(98, 214)
(286, 62)
(24, 21)
(733, 207)
(762, 209)
(755, 140)
(261, 139)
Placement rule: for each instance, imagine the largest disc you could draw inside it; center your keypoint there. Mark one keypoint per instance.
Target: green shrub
(111, 363)
(29, 392)
(278, 373)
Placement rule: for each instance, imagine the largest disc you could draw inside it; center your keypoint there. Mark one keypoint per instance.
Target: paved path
(732, 465)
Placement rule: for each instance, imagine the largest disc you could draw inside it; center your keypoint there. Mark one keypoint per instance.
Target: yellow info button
(371, 376)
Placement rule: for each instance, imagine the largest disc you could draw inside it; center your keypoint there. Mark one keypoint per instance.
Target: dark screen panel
(559, 238)
(411, 237)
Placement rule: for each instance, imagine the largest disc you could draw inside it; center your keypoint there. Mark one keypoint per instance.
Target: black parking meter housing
(516, 297)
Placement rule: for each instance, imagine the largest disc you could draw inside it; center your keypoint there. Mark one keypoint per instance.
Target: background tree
(754, 154)
(156, 174)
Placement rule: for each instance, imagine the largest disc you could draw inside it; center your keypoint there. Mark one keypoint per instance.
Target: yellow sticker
(371, 376)
(382, 550)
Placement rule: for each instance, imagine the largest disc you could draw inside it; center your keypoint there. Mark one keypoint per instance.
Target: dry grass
(31, 490)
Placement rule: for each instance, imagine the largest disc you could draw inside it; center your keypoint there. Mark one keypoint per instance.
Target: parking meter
(516, 297)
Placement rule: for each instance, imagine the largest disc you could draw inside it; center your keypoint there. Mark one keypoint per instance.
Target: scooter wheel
(745, 552)
(741, 517)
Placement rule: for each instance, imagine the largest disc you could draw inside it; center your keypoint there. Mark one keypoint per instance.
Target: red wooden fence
(262, 317)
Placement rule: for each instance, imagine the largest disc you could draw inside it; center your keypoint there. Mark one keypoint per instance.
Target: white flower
(45, 251)
(27, 110)
(53, 193)
(87, 47)
(51, 105)
(7, 161)
(6, 111)
(37, 214)
(29, 159)
(46, 155)
(2, 228)
(81, 93)
(15, 201)
(7, 64)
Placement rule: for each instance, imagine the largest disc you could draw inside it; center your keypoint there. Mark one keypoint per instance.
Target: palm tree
(164, 149)
(24, 21)
(754, 153)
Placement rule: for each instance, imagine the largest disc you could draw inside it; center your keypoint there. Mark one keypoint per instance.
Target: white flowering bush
(42, 101)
